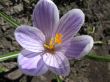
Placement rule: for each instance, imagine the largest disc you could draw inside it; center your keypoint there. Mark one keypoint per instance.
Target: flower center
(50, 46)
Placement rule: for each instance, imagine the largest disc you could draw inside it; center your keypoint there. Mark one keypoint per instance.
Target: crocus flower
(51, 42)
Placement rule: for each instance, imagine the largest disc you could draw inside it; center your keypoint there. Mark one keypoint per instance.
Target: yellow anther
(50, 45)
(58, 38)
(53, 41)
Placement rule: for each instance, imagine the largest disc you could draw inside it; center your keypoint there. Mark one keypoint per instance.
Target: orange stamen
(58, 38)
(54, 41)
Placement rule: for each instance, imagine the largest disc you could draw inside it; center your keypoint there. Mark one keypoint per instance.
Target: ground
(97, 17)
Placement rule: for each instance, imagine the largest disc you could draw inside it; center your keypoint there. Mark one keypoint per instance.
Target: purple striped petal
(58, 63)
(30, 38)
(80, 46)
(30, 54)
(33, 66)
(45, 16)
(70, 24)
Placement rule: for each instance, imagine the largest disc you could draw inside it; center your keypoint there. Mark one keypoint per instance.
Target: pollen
(58, 38)
(50, 46)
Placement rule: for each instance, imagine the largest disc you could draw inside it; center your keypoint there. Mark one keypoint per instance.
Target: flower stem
(58, 78)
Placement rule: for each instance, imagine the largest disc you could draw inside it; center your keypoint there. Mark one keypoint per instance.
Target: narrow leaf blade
(8, 56)
(9, 19)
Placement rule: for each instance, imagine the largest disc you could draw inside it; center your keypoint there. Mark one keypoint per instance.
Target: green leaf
(9, 19)
(94, 56)
(8, 56)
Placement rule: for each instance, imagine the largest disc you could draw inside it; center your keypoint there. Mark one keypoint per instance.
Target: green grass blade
(8, 56)
(94, 56)
(9, 19)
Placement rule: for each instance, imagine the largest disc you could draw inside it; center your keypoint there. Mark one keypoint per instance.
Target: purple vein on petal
(45, 16)
(30, 38)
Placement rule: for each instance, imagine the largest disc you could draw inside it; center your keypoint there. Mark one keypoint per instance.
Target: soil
(97, 17)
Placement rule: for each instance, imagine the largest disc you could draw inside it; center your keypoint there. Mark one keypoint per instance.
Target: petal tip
(79, 13)
(50, 1)
(88, 48)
